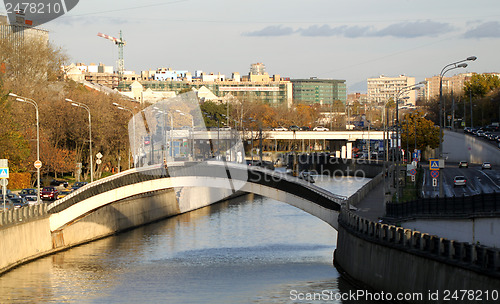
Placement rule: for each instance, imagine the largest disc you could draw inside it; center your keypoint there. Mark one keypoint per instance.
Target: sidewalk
(372, 207)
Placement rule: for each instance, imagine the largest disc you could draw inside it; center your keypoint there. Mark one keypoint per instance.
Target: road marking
(489, 178)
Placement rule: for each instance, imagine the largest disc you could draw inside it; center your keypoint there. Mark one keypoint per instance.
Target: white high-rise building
(383, 89)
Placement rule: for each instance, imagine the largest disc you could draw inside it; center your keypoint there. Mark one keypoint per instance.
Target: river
(247, 250)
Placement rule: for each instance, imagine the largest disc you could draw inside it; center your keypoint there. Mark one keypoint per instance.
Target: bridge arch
(230, 177)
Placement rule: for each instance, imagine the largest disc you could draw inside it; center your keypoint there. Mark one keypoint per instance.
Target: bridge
(154, 192)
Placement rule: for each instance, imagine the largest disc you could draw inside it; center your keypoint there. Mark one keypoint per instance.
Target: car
(31, 200)
(8, 205)
(486, 165)
(64, 192)
(464, 164)
(320, 128)
(49, 193)
(19, 202)
(280, 129)
(78, 185)
(28, 192)
(294, 128)
(459, 180)
(305, 128)
(58, 183)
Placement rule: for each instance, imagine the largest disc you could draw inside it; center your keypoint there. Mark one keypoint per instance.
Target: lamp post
(84, 106)
(123, 108)
(446, 68)
(398, 147)
(34, 103)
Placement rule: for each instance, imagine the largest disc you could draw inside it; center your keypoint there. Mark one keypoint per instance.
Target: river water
(247, 250)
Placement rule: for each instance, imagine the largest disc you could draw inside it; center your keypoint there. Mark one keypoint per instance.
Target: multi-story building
(318, 91)
(451, 84)
(383, 89)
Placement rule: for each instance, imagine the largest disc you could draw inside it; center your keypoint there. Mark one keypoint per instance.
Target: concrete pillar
(344, 152)
(349, 150)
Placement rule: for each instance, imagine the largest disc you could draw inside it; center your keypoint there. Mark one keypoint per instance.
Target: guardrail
(475, 257)
(485, 204)
(24, 214)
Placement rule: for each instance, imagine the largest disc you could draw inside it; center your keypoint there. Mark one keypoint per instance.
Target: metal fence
(486, 204)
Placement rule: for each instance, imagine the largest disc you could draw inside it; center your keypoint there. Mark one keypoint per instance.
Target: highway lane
(478, 180)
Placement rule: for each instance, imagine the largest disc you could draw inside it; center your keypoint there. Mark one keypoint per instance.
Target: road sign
(37, 164)
(434, 182)
(98, 161)
(413, 172)
(413, 178)
(434, 173)
(434, 164)
(4, 172)
(99, 155)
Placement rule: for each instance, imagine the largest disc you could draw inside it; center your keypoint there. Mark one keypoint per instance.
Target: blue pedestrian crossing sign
(434, 164)
(4, 172)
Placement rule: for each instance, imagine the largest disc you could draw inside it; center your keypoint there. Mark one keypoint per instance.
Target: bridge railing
(208, 169)
(23, 214)
(475, 257)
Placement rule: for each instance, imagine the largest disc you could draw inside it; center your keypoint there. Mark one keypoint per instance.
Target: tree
(415, 126)
(480, 85)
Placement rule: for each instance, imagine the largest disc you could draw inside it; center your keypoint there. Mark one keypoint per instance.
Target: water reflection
(247, 250)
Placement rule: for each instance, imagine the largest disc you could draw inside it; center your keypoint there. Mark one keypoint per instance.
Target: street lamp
(123, 108)
(81, 105)
(398, 147)
(32, 102)
(446, 68)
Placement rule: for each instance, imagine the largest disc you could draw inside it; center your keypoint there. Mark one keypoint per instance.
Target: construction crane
(120, 43)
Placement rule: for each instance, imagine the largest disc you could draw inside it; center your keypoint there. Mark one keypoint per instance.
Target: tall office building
(318, 91)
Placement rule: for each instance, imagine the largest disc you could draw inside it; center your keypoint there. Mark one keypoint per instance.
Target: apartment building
(383, 89)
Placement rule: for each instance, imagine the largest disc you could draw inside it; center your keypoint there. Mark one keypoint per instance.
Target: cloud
(414, 29)
(272, 30)
(400, 30)
(486, 30)
(327, 31)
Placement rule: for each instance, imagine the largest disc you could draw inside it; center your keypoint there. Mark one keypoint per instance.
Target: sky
(351, 40)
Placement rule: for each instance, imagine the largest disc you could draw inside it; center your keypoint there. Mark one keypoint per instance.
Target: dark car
(305, 128)
(78, 185)
(294, 128)
(49, 193)
(28, 192)
(57, 183)
(463, 164)
(19, 202)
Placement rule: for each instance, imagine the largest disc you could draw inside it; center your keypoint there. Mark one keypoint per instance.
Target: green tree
(212, 112)
(414, 125)
(481, 84)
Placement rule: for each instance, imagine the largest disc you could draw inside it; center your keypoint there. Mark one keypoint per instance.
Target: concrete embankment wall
(396, 260)
(25, 235)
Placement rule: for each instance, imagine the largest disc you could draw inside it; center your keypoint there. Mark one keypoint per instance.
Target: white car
(280, 129)
(459, 181)
(486, 165)
(320, 128)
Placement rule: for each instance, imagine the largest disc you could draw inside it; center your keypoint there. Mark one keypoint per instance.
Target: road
(478, 180)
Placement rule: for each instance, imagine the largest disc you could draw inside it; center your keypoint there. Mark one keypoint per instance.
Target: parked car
(78, 185)
(294, 128)
(8, 205)
(320, 128)
(64, 192)
(280, 129)
(19, 202)
(31, 200)
(31, 192)
(50, 193)
(305, 128)
(486, 165)
(459, 181)
(463, 164)
(57, 183)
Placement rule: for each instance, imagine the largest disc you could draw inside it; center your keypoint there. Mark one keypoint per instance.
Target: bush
(19, 181)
